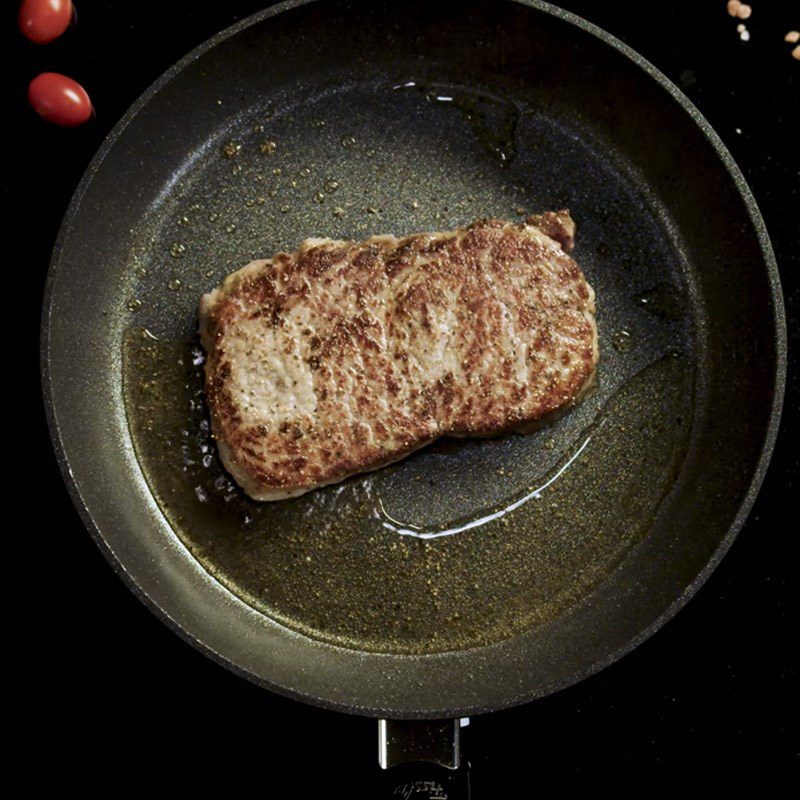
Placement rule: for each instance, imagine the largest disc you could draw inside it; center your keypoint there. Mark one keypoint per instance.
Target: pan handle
(421, 759)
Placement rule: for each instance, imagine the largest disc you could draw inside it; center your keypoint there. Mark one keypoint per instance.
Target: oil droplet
(213, 216)
(276, 171)
(177, 250)
(249, 202)
(258, 128)
(174, 285)
(348, 141)
(338, 211)
(372, 210)
(273, 192)
(305, 172)
(134, 305)
(621, 341)
(663, 300)
(236, 170)
(268, 147)
(414, 204)
(184, 220)
(284, 209)
(231, 149)
(319, 197)
(331, 185)
(493, 119)
(320, 123)
(260, 201)
(230, 228)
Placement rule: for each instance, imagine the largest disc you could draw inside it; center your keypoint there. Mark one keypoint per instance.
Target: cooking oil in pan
(492, 119)
(463, 544)
(466, 542)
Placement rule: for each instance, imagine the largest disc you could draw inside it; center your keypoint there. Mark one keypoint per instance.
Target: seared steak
(344, 356)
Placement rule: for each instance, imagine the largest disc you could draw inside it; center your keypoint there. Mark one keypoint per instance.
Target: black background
(115, 700)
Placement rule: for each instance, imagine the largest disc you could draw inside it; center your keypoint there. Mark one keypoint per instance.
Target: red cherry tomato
(42, 21)
(59, 99)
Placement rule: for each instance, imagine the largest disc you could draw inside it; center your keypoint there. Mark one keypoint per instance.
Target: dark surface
(361, 586)
(711, 694)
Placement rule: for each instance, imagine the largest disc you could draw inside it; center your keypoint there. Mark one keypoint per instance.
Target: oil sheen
(463, 544)
(467, 542)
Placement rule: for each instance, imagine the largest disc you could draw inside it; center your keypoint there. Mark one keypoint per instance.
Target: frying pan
(474, 575)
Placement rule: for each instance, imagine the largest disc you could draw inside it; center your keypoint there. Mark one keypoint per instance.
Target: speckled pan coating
(566, 108)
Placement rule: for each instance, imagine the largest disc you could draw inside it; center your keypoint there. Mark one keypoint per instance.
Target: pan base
(467, 542)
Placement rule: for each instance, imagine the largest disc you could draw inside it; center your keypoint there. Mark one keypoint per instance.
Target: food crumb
(738, 9)
(231, 149)
(796, 53)
(792, 37)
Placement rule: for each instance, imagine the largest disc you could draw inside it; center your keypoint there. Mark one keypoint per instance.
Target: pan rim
(771, 430)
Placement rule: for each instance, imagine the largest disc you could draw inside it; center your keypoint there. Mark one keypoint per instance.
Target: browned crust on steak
(345, 356)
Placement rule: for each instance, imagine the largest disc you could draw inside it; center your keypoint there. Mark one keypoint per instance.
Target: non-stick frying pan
(476, 574)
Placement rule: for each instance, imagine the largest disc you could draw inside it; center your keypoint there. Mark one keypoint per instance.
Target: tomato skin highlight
(59, 100)
(43, 21)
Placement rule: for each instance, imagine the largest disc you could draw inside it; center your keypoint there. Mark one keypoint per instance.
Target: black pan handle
(421, 760)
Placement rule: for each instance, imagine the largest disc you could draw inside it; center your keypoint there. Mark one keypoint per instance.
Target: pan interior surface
(475, 573)
(467, 542)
